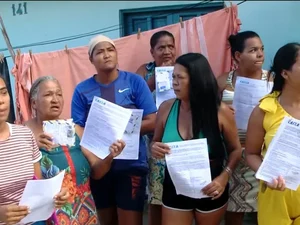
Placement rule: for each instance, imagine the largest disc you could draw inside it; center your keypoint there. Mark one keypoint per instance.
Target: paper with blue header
(189, 168)
(106, 123)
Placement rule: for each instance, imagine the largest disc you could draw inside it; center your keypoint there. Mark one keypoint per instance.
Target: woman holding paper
(120, 194)
(47, 101)
(197, 112)
(19, 163)
(248, 53)
(276, 205)
(163, 51)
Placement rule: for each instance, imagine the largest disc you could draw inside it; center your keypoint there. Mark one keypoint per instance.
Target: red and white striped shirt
(17, 156)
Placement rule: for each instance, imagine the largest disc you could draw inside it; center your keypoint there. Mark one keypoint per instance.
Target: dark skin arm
(230, 133)
(233, 147)
(148, 124)
(254, 142)
(255, 139)
(221, 80)
(158, 149)
(99, 166)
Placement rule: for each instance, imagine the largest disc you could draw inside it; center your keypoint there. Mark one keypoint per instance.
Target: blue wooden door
(145, 22)
(148, 19)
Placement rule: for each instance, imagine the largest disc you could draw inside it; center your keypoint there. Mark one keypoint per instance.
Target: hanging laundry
(23, 82)
(5, 75)
(206, 34)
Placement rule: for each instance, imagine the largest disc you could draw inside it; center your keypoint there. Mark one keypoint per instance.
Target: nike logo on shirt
(122, 90)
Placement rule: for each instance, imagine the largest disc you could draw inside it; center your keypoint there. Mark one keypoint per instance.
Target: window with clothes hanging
(154, 17)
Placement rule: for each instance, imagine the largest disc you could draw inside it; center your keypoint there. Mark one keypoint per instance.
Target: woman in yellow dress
(276, 204)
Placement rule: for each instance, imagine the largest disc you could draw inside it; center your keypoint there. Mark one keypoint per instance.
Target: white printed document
(39, 195)
(132, 135)
(163, 87)
(106, 123)
(189, 168)
(62, 131)
(247, 93)
(283, 155)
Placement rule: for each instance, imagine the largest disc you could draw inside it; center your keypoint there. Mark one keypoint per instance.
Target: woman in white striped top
(19, 162)
(248, 53)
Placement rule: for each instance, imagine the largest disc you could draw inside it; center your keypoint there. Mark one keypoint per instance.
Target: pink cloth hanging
(207, 34)
(23, 81)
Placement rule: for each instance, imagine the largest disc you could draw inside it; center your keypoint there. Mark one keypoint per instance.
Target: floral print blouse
(80, 209)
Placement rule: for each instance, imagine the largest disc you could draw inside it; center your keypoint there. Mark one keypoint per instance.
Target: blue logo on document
(100, 101)
(173, 146)
(293, 123)
(244, 82)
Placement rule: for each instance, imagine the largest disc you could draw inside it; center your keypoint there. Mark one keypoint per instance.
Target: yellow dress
(276, 207)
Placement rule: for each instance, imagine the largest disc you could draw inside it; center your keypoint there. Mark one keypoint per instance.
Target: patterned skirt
(155, 176)
(156, 179)
(243, 189)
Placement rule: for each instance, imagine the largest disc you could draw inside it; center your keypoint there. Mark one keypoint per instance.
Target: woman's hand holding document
(39, 197)
(62, 132)
(245, 99)
(189, 168)
(280, 167)
(105, 124)
(163, 84)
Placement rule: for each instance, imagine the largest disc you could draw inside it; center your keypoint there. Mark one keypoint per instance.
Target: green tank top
(171, 132)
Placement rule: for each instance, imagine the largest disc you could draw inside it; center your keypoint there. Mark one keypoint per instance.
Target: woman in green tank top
(197, 112)
(163, 51)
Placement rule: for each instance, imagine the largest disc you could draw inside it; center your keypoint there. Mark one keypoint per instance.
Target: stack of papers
(108, 122)
(283, 155)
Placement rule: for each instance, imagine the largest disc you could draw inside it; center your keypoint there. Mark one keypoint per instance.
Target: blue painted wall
(46, 21)
(276, 22)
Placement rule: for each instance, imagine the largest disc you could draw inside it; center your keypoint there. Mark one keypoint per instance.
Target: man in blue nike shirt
(120, 194)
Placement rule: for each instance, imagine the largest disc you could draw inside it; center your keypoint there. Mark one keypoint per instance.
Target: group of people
(113, 192)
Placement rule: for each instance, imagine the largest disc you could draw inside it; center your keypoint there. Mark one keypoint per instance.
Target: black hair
(204, 100)
(5, 82)
(284, 59)
(237, 42)
(155, 37)
(2, 77)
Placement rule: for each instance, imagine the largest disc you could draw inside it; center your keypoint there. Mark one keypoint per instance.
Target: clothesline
(103, 30)
(71, 68)
(241, 2)
(58, 40)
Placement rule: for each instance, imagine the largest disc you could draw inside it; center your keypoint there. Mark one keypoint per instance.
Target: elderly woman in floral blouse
(47, 101)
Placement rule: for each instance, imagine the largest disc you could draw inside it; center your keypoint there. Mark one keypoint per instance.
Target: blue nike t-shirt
(129, 90)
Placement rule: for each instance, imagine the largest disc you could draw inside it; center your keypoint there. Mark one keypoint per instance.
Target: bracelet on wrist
(228, 170)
